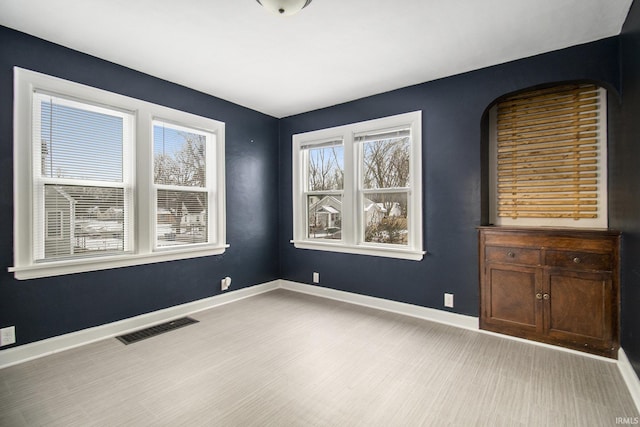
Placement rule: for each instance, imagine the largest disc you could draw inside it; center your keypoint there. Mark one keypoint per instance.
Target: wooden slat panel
(509, 160)
(561, 129)
(506, 124)
(524, 104)
(546, 215)
(546, 111)
(555, 164)
(555, 126)
(543, 146)
(580, 150)
(528, 196)
(574, 138)
(547, 177)
(548, 183)
(548, 153)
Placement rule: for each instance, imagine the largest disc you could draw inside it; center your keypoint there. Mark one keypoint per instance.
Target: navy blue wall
(453, 111)
(625, 214)
(48, 307)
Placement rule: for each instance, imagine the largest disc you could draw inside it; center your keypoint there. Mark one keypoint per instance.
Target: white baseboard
(440, 316)
(23, 353)
(457, 320)
(630, 377)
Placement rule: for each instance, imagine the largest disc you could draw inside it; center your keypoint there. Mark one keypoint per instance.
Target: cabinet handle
(538, 295)
(546, 296)
(577, 260)
(511, 254)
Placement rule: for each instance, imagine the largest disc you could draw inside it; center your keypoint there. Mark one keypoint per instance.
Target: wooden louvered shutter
(549, 154)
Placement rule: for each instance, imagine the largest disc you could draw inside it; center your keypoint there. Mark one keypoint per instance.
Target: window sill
(398, 253)
(59, 268)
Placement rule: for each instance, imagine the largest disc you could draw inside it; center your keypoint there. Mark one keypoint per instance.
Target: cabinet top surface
(556, 231)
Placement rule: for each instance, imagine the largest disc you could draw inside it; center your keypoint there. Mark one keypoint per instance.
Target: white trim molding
(630, 377)
(26, 352)
(431, 314)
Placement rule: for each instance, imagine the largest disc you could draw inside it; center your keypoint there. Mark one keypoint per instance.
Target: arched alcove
(611, 101)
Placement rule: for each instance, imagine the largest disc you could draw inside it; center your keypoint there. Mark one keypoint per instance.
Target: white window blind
(551, 157)
(184, 184)
(83, 204)
(103, 181)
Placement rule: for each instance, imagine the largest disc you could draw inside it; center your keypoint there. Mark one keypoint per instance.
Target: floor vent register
(152, 331)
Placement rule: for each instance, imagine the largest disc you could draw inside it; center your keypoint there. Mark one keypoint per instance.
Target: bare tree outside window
(180, 160)
(326, 168)
(386, 166)
(325, 174)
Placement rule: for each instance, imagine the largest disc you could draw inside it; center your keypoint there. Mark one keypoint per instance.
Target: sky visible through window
(81, 144)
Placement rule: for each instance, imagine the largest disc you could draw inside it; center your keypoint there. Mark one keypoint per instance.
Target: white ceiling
(332, 52)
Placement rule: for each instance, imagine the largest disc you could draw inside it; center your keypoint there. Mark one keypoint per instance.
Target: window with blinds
(80, 157)
(102, 180)
(550, 157)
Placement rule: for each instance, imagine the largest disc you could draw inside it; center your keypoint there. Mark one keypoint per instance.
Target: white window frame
(143, 243)
(352, 240)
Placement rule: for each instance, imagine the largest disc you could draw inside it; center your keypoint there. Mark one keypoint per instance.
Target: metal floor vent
(155, 330)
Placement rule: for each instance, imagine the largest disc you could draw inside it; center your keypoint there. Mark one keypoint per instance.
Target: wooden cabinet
(557, 286)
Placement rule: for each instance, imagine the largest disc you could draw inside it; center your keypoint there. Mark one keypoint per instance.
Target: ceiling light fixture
(284, 7)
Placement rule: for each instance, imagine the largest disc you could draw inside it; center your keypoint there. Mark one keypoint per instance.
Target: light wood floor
(288, 359)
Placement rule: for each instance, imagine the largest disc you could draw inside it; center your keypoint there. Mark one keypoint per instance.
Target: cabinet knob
(511, 254)
(576, 260)
(538, 295)
(546, 296)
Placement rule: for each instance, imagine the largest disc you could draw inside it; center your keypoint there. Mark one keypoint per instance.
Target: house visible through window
(92, 168)
(84, 170)
(184, 184)
(358, 188)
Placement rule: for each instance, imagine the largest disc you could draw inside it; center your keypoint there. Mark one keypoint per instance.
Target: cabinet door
(509, 303)
(578, 309)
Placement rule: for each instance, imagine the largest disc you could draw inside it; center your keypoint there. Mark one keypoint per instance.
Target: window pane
(386, 162)
(179, 156)
(83, 220)
(182, 218)
(79, 141)
(385, 218)
(326, 168)
(325, 217)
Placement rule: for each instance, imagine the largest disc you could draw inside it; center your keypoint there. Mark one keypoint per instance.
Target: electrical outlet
(316, 277)
(225, 283)
(7, 335)
(448, 300)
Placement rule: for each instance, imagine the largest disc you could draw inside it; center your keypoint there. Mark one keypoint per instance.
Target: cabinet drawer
(512, 255)
(579, 260)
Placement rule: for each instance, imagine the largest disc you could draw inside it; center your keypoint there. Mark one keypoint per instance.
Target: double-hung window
(358, 188)
(103, 181)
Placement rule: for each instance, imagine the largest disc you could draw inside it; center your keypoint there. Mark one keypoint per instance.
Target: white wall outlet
(225, 283)
(8, 335)
(316, 277)
(448, 300)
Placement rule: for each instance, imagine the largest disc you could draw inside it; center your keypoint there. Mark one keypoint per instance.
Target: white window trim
(25, 83)
(352, 174)
(601, 221)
